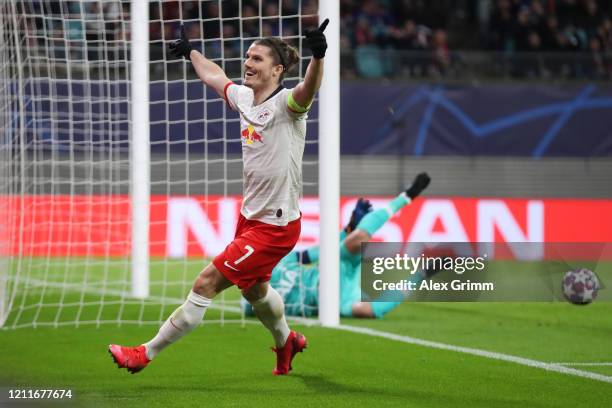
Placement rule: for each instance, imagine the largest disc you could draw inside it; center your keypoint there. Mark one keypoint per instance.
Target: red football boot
(296, 343)
(132, 358)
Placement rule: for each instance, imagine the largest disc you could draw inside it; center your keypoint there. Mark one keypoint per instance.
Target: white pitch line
(554, 367)
(585, 364)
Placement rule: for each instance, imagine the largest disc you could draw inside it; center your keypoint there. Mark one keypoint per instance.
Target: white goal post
(329, 169)
(140, 161)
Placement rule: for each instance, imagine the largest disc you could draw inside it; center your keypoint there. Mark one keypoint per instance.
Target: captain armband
(296, 107)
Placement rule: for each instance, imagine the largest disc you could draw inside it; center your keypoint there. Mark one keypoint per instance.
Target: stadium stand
(533, 39)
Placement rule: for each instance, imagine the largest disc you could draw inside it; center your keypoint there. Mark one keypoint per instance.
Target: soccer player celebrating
(273, 130)
(296, 277)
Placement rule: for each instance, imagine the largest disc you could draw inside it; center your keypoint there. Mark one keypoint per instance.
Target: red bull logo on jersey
(250, 135)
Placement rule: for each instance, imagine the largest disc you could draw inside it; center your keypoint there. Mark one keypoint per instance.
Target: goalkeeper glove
(361, 209)
(419, 184)
(315, 40)
(181, 48)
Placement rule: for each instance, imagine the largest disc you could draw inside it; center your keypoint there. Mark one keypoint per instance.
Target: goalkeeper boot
(132, 358)
(296, 343)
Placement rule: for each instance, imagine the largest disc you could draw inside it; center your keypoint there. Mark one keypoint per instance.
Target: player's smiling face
(259, 68)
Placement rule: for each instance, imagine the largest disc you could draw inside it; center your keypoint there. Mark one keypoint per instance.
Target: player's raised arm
(303, 94)
(209, 72)
(373, 221)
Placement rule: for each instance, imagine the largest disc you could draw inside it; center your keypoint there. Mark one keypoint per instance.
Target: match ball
(580, 286)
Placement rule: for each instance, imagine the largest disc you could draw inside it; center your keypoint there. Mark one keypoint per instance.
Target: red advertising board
(61, 225)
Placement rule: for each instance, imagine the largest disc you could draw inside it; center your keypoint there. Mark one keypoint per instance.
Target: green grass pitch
(230, 365)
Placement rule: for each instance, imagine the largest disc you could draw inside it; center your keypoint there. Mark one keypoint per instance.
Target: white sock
(183, 320)
(271, 312)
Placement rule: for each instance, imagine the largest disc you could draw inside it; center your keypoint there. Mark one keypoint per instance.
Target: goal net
(69, 158)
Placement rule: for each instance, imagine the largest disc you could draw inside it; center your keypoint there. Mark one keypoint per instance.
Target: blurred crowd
(529, 38)
(382, 33)
(538, 25)
(555, 27)
(379, 38)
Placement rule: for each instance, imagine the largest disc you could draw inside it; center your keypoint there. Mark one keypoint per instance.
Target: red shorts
(256, 249)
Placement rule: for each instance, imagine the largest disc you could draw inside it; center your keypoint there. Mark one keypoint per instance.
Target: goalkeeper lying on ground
(296, 277)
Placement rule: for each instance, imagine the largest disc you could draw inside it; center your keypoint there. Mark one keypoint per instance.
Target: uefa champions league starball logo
(580, 286)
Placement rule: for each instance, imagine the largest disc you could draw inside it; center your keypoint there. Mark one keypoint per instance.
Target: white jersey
(272, 148)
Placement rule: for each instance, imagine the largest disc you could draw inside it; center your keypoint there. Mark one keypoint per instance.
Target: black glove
(419, 184)
(181, 48)
(361, 209)
(315, 40)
